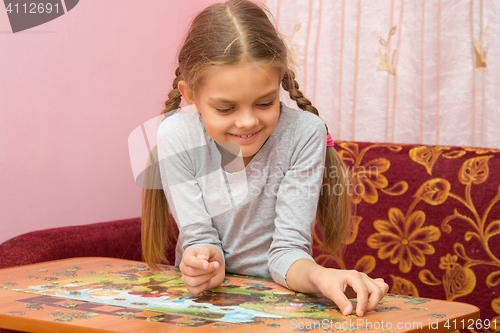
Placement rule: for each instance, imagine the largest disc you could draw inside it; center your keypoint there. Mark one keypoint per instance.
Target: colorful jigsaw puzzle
(239, 299)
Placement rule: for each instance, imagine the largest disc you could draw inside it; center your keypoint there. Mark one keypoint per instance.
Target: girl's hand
(308, 277)
(202, 268)
(334, 283)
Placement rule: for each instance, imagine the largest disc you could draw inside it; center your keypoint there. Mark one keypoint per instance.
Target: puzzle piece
(50, 278)
(126, 315)
(386, 308)
(65, 272)
(33, 306)
(69, 305)
(15, 313)
(436, 315)
(417, 301)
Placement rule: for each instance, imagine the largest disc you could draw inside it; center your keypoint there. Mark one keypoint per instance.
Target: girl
(243, 174)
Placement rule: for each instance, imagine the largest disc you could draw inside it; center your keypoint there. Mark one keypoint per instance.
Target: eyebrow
(226, 101)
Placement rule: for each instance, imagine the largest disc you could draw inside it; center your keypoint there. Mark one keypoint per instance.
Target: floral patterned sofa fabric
(427, 220)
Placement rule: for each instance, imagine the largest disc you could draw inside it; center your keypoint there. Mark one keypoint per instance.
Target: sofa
(426, 219)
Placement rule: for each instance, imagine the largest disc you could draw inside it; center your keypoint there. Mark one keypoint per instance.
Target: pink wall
(71, 91)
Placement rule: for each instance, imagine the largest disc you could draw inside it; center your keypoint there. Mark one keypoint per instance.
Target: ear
(186, 92)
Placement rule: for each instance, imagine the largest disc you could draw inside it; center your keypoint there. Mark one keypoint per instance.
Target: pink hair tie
(329, 141)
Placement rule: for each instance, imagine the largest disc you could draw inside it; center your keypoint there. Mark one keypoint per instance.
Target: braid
(334, 211)
(292, 86)
(174, 96)
(157, 229)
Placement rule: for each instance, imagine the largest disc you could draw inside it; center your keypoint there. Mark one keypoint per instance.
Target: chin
(247, 155)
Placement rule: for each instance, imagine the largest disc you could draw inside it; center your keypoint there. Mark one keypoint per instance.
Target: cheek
(271, 118)
(216, 127)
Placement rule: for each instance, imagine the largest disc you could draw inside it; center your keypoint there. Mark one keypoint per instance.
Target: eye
(224, 110)
(266, 105)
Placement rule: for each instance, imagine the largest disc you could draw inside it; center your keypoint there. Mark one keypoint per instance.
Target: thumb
(206, 252)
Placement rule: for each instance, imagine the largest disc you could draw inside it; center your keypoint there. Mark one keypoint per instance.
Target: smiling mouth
(246, 136)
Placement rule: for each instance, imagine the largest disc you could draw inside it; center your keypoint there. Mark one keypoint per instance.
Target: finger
(195, 281)
(214, 266)
(198, 289)
(207, 252)
(193, 260)
(336, 294)
(382, 285)
(341, 301)
(376, 294)
(213, 269)
(192, 271)
(359, 286)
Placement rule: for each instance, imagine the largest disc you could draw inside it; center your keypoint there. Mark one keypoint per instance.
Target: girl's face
(239, 104)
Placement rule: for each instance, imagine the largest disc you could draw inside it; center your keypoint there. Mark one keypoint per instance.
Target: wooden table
(115, 295)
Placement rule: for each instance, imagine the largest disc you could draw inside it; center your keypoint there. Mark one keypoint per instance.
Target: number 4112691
(33, 8)
(471, 324)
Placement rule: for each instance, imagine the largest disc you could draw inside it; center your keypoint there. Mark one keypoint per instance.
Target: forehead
(240, 79)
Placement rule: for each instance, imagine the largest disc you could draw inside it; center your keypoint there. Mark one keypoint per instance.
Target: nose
(247, 119)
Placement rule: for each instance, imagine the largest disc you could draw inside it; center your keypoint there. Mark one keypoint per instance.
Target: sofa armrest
(117, 239)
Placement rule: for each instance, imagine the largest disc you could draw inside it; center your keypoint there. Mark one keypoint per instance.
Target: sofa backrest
(427, 220)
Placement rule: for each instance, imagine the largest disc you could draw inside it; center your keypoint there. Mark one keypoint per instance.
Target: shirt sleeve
(177, 155)
(297, 200)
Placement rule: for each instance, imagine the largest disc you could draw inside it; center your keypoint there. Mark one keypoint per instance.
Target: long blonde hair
(223, 34)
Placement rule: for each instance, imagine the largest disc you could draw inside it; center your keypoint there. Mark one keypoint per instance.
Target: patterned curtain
(399, 71)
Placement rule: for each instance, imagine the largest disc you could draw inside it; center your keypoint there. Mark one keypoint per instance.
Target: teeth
(245, 136)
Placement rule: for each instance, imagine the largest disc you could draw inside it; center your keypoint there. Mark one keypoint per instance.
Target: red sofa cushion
(117, 239)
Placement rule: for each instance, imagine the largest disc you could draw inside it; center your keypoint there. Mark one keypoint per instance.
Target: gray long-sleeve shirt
(261, 217)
